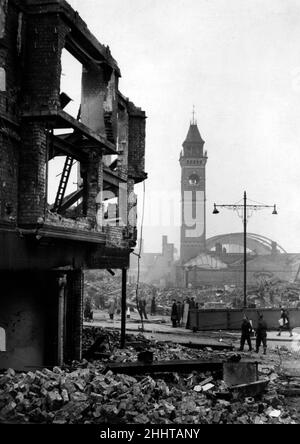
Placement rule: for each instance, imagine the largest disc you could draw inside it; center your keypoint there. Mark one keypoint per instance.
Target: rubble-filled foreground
(86, 392)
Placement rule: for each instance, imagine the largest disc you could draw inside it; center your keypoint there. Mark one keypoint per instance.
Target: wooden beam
(66, 148)
(183, 366)
(61, 119)
(70, 200)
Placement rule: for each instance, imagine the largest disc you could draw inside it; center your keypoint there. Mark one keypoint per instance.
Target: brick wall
(10, 62)
(137, 137)
(32, 173)
(45, 40)
(115, 236)
(123, 130)
(132, 205)
(92, 170)
(8, 178)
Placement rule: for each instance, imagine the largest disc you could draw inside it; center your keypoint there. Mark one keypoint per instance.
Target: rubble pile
(87, 395)
(275, 292)
(101, 288)
(269, 292)
(86, 392)
(136, 343)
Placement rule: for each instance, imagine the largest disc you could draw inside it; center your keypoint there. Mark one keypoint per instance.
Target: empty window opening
(2, 79)
(233, 248)
(70, 85)
(110, 161)
(110, 209)
(56, 169)
(2, 340)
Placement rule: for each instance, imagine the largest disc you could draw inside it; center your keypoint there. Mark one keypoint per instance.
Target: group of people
(178, 309)
(261, 331)
(247, 331)
(177, 313)
(142, 304)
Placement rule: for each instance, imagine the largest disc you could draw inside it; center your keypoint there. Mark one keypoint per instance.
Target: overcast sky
(238, 62)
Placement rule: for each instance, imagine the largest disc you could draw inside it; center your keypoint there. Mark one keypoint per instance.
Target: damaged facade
(45, 248)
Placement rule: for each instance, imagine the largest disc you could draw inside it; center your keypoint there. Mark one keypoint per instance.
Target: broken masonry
(46, 247)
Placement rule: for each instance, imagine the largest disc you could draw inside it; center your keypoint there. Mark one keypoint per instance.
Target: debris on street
(86, 392)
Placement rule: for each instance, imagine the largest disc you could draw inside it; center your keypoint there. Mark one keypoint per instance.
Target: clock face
(194, 179)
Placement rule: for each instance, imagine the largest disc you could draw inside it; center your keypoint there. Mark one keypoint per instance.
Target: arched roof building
(256, 243)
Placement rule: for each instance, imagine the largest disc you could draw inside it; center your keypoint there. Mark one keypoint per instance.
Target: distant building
(193, 195)
(219, 260)
(155, 268)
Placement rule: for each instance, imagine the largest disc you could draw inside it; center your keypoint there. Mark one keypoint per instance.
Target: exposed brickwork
(32, 174)
(8, 179)
(92, 172)
(115, 236)
(137, 137)
(45, 40)
(123, 131)
(11, 61)
(9, 132)
(132, 205)
(33, 34)
(74, 315)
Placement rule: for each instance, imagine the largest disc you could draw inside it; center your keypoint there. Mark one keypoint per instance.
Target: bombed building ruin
(45, 246)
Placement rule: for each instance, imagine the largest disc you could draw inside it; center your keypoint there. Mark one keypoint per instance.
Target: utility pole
(245, 249)
(247, 211)
(123, 307)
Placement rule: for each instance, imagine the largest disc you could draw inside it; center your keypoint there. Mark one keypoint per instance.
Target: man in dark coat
(192, 303)
(174, 314)
(153, 306)
(246, 330)
(284, 322)
(142, 307)
(261, 334)
(88, 312)
(179, 312)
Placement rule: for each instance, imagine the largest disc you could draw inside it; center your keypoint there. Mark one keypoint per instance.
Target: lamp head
(216, 211)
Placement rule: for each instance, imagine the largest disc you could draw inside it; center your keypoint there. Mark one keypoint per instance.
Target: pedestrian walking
(284, 322)
(261, 334)
(142, 307)
(246, 330)
(112, 308)
(153, 306)
(88, 310)
(174, 314)
(192, 306)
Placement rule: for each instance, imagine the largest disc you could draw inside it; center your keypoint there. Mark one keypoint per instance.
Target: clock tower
(193, 198)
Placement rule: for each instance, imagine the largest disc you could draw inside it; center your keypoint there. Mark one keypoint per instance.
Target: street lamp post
(245, 216)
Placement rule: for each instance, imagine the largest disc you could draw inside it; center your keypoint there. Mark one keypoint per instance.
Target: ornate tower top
(193, 144)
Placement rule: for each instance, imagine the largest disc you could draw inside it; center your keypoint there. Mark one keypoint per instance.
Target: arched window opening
(2, 340)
